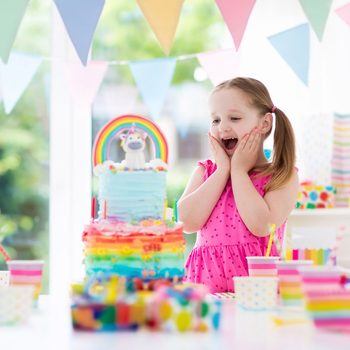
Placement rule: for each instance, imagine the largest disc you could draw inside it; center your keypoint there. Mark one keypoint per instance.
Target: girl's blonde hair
(283, 161)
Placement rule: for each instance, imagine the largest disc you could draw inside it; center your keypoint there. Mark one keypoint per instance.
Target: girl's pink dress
(224, 241)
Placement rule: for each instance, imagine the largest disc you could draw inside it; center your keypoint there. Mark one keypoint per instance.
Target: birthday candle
(105, 210)
(175, 211)
(93, 208)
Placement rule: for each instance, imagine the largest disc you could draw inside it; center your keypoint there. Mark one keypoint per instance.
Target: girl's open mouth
(229, 144)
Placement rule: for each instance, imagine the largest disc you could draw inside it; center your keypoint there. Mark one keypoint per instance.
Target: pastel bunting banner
(15, 77)
(317, 14)
(220, 65)
(293, 45)
(163, 17)
(80, 17)
(344, 13)
(236, 14)
(11, 15)
(153, 78)
(84, 82)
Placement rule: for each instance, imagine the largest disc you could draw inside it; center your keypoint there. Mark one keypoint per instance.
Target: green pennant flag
(317, 12)
(11, 14)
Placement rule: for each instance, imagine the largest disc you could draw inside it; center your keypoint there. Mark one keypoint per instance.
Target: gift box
(112, 303)
(311, 196)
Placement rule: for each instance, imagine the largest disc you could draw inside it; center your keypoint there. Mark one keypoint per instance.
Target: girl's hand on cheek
(246, 153)
(220, 156)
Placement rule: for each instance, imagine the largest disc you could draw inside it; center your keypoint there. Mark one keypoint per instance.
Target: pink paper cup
(27, 272)
(262, 266)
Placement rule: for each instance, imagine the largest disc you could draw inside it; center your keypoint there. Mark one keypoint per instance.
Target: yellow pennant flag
(163, 17)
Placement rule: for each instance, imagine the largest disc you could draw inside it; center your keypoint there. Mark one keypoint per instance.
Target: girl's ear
(266, 123)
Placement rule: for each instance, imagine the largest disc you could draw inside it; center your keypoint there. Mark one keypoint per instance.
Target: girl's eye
(215, 121)
(235, 118)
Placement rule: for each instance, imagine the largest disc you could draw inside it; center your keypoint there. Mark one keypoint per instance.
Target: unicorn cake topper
(133, 144)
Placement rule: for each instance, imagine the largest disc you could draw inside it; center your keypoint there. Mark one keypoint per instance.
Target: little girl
(231, 199)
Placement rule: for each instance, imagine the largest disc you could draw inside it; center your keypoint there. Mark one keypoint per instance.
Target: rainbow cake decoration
(131, 236)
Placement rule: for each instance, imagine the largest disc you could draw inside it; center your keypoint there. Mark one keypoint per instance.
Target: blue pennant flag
(153, 78)
(16, 76)
(294, 47)
(80, 18)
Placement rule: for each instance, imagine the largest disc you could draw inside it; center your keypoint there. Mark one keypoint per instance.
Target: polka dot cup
(256, 293)
(15, 304)
(4, 278)
(262, 266)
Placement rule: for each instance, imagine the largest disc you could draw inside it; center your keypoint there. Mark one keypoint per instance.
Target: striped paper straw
(4, 253)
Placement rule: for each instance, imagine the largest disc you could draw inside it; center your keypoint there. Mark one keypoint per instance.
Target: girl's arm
(200, 197)
(256, 211)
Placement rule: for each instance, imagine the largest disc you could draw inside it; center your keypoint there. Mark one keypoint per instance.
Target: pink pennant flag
(344, 13)
(84, 81)
(220, 65)
(236, 15)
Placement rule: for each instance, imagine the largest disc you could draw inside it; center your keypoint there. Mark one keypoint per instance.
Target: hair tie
(273, 109)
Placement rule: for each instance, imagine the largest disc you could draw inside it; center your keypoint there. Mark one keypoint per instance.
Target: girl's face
(232, 117)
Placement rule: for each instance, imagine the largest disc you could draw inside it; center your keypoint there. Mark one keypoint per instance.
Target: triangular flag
(153, 78)
(163, 17)
(294, 47)
(344, 13)
(317, 14)
(16, 76)
(11, 15)
(220, 65)
(84, 82)
(80, 18)
(236, 14)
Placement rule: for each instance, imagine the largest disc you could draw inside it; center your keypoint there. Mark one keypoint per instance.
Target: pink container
(27, 272)
(327, 302)
(320, 278)
(263, 266)
(289, 281)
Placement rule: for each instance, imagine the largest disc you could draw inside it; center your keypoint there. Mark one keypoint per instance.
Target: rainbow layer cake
(149, 249)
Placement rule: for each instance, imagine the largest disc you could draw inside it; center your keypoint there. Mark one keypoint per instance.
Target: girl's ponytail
(283, 160)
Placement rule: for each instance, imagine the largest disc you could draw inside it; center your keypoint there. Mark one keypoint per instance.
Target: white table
(49, 328)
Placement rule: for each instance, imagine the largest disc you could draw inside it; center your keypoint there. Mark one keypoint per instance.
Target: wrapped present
(311, 196)
(114, 303)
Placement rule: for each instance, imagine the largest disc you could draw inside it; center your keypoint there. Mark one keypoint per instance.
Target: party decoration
(80, 18)
(84, 81)
(16, 76)
(11, 15)
(294, 47)
(341, 159)
(118, 125)
(220, 65)
(153, 78)
(236, 15)
(317, 14)
(311, 196)
(163, 17)
(344, 13)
